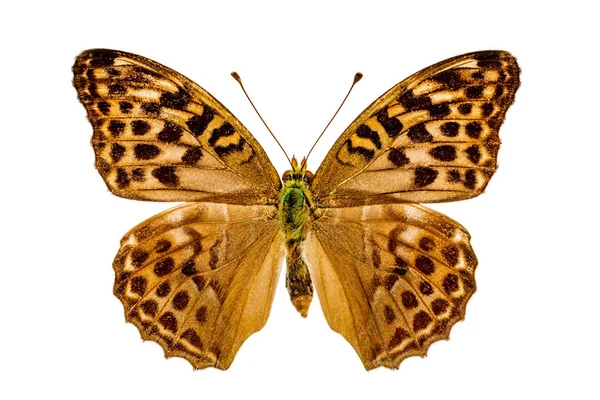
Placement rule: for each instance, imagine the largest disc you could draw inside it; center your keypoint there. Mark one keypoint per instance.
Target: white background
(532, 327)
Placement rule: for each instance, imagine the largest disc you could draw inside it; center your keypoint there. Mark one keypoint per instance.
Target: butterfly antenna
(239, 80)
(357, 78)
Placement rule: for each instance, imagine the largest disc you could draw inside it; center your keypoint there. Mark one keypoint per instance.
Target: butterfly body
(392, 276)
(295, 216)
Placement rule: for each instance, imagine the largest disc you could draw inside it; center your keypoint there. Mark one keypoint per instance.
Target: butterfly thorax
(295, 216)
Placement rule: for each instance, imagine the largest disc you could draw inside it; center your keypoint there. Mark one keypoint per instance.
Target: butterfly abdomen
(294, 218)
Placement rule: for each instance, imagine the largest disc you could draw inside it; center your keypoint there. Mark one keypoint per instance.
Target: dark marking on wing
(392, 126)
(363, 151)
(231, 148)
(198, 123)
(224, 130)
(365, 132)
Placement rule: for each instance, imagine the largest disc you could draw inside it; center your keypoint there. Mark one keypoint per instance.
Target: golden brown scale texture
(391, 276)
(200, 278)
(158, 136)
(395, 281)
(431, 138)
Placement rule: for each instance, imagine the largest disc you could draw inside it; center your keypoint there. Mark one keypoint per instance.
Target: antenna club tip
(236, 76)
(358, 77)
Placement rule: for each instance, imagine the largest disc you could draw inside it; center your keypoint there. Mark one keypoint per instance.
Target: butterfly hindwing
(200, 278)
(159, 136)
(395, 280)
(431, 138)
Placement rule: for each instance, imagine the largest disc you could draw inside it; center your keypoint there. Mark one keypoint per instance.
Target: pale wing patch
(199, 279)
(395, 281)
(431, 138)
(159, 136)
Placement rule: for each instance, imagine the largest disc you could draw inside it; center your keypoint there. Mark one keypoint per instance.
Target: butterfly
(392, 276)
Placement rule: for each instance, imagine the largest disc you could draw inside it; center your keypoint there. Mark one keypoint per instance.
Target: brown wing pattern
(431, 138)
(200, 278)
(396, 280)
(159, 136)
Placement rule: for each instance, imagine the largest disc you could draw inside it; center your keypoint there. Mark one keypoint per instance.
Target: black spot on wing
(419, 134)
(116, 127)
(104, 107)
(398, 157)
(198, 123)
(474, 129)
(116, 152)
(144, 151)
(489, 64)
(93, 89)
(151, 108)
(411, 103)
(137, 174)
(116, 89)
(368, 154)
(166, 175)
(443, 153)
(450, 79)
(487, 109)
(125, 107)
(176, 101)
(424, 176)
(470, 179)
(189, 268)
(465, 108)
(473, 154)
(365, 132)
(224, 130)
(487, 55)
(488, 59)
(441, 110)
(474, 92)
(450, 129)
(498, 92)
(454, 176)
(392, 126)
(100, 58)
(171, 133)
(122, 180)
(192, 155)
(140, 127)
(230, 148)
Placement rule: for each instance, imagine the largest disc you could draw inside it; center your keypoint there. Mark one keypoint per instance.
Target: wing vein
(366, 296)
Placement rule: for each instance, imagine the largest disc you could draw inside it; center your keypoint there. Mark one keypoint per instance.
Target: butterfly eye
(286, 175)
(309, 176)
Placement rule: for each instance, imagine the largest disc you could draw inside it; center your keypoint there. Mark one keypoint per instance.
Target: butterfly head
(298, 172)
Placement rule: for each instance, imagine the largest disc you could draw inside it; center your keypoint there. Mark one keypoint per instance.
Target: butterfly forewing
(200, 278)
(431, 138)
(396, 279)
(159, 136)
